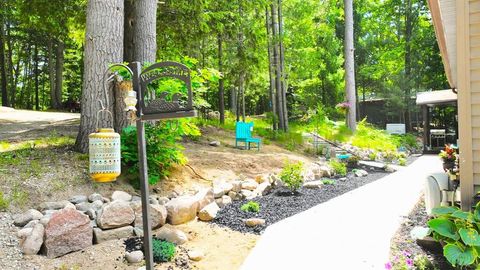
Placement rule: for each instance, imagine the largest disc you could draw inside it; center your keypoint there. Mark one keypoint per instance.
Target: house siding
(474, 66)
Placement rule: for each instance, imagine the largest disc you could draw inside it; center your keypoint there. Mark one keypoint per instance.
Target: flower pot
(448, 165)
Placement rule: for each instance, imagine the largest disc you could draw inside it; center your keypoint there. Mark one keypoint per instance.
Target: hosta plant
(458, 231)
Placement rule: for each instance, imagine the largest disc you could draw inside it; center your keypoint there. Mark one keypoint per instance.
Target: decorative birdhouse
(104, 155)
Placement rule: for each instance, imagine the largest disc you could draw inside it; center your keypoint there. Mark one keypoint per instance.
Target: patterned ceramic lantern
(104, 155)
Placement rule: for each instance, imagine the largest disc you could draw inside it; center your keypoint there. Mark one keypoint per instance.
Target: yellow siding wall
(474, 32)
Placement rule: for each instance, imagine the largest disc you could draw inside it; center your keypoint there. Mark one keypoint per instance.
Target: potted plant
(448, 156)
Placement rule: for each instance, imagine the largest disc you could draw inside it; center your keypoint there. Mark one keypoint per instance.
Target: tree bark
(51, 74)
(241, 54)
(129, 36)
(145, 31)
(103, 45)
(408, 66)
(283, 78)
(59, 73)
(276, 66)
(221, 101)
(35, 70)
(3, 69)
(10, 65)
(350, 66)
(270, 71)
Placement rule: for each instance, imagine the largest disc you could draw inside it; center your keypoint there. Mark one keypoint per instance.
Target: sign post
(149, 107)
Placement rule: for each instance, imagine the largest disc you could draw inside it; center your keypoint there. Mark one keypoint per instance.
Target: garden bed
(281, 204)
(402, 243)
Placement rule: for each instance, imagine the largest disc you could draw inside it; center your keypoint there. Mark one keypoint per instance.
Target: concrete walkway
(352, 231)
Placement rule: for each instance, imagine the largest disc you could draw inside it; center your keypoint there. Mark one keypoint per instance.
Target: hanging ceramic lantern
(104, 155)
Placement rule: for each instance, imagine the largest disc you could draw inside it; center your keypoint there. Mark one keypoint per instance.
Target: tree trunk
(233, 101)
(221, 102)
(103, 45)
(276, 65)
(282, 67)
(3, 69)
(145, 31)
(10, 65)
(350, 66)
(408, 66)
(129, 36)
(270, 71)
(51, 74)
(35, 70)
(59, 73)
(241, 54)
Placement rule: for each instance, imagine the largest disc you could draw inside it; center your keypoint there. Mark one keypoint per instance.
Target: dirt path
(22, 124)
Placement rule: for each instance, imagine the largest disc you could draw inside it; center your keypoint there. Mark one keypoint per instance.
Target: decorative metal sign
(151, 107)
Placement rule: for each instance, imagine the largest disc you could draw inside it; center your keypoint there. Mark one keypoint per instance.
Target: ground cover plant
(338, 167)
(163, 251)
(250, 206)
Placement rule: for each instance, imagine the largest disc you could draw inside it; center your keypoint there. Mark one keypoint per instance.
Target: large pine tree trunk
(103, 46)
(221, 101)
(276, 65)
(349, 66)
(270, 71)
(51, 74)
(3, 69)
(59, 73)
(10, 65)
(408, 65)
(145, 31)
(283, 76)
(128, 37)
(241, 78)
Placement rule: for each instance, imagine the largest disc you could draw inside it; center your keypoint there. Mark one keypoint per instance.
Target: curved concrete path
(351, 231)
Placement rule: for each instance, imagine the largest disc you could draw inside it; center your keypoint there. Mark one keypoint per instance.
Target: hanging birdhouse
(104, 155)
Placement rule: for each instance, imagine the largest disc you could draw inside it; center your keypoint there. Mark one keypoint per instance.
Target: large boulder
(204, 197)
(33, 241)
(24, 218)
(158, 214)
(68, 230)
(117, 233)
(172, 235)
(209, 212)
(182, 209)
(115, 214)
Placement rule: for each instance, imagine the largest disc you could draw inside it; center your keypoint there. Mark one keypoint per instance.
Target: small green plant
(338, 167)
(163, 251)
(328, 182)
(389, 156)
(291, 175)
(352, 161)
(251, 206)
(459, 232)
(372, 156)
(4, 203)
(402, 162)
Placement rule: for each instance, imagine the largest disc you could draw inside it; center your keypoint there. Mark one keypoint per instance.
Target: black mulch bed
(180, 261)
(280, 203)
(403, 242)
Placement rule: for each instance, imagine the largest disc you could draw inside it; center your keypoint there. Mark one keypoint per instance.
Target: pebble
(195, 255)
(134, 256)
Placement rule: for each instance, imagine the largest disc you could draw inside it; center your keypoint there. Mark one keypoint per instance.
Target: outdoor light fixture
(131, 101)
(104, 144)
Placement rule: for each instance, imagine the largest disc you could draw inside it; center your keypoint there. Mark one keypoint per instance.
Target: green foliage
(369, 137)
(291, 175)
(421, 262)
(251, 206)
(338, 167)
(163, 251)
(163, 149)
(402, 162)
(4, 203)
(460, 233)
(328, 182)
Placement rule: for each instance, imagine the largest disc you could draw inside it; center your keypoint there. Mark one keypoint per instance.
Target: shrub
(338, 167)
(402, 162)
(4, 203)
(328, 182)
(372, 156)
(291, 175)
(460, 233)
(163, 149)
(163, 251)
(250, 206)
